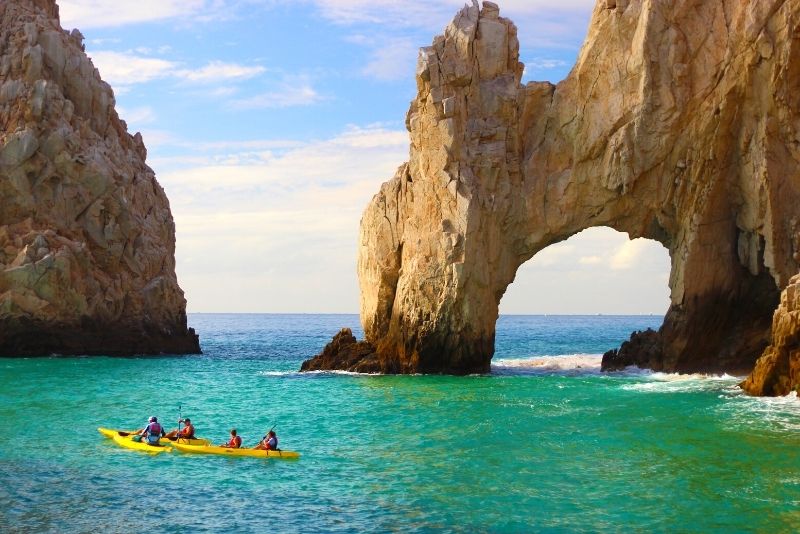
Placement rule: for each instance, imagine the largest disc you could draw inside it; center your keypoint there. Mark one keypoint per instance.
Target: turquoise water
(544, 443)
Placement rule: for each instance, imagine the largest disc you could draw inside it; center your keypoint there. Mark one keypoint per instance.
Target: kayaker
(235, 442)
(268, 442)
(153, 431)
(187, 432)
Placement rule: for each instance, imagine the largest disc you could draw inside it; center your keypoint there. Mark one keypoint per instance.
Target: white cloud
(118, 68)
(102, 13)
(101, 42)
(223, 92)
(598, 270)
(258, 145)
(394, 59)
(554, 254)
(293, 91)
(540, 63)
(435, 14)
(540, 21)
(136, 117)
(156, 138)
(278, 231)
(123, 69)
(629, 253)
(217, 71)
(590, 260)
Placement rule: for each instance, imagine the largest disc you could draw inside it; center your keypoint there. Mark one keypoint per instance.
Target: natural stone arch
(676, 124)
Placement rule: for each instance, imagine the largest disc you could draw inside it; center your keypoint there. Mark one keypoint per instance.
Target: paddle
(180, 419)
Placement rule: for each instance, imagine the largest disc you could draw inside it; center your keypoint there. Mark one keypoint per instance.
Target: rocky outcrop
(678, 123)
(777, 372)
(644, 350)
(87, 240)
(344, 351)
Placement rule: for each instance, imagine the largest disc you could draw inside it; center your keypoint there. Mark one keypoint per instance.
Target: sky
(271, 124)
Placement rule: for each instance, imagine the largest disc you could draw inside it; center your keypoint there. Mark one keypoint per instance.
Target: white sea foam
(571, 364)
(782, 412)
(590, 364)
(658, 382)
(297, 374)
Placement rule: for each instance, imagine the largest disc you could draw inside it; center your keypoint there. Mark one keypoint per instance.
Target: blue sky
(271, 124)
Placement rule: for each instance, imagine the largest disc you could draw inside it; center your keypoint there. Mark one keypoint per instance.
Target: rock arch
(677, 123)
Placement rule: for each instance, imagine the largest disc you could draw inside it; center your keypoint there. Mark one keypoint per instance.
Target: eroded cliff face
(87, 240)
(679, 123)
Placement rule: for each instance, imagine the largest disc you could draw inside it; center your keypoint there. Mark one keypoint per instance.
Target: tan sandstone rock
(87, 240)
(679, 123)
(777, 372)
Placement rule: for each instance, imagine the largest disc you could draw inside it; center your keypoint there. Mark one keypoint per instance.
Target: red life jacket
(188, 431)
(235, 442)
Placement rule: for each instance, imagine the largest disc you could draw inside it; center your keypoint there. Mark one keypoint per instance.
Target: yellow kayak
(124, 441)
(110, 433)
(224, 451)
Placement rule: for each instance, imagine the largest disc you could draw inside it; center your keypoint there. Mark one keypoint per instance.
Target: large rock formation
(87, 240)
(679, 123)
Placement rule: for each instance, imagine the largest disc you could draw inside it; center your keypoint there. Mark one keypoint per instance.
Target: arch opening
(584, 295)
(597, 271)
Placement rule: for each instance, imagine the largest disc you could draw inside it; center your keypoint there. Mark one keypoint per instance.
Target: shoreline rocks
(87, 239)
(346, 353)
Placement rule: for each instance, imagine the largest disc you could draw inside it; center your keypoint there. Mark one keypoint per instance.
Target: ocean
(545, 443)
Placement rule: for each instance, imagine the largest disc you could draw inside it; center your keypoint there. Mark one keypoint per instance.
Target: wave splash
(572, 364)
(590, 365)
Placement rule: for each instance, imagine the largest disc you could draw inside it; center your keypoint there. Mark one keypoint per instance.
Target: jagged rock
(643, 350)
(679, 123)
(777, 372)
(344, 351)
(87, 240)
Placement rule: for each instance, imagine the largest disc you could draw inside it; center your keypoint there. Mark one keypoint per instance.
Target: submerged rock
(678, 123)
(87, 239)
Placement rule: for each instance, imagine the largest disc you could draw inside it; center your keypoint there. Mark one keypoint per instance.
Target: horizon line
(501, 315)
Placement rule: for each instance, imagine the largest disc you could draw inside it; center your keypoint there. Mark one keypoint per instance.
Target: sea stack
(679, 123)
(87, 239)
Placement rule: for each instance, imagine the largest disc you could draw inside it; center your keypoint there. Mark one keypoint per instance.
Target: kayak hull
(128, 443)
(110, 433)
(224, 451)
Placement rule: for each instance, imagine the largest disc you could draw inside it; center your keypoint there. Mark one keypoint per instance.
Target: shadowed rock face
(679, 123)
(87, 240)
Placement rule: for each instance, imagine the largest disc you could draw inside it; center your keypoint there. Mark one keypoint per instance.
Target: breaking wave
(574, 364)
